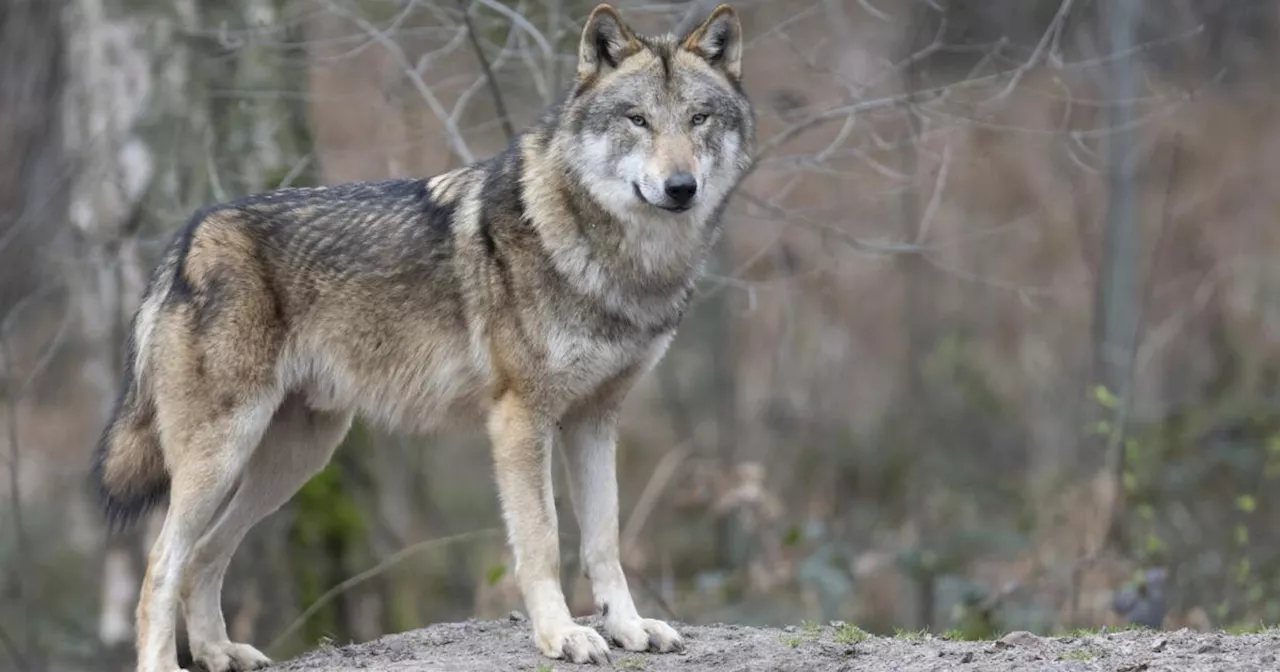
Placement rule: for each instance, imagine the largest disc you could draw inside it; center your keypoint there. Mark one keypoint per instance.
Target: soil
(495, 646)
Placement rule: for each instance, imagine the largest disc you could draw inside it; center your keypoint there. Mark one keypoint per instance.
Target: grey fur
(524, 293)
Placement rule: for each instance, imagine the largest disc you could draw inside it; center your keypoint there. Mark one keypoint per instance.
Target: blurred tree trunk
(108, 79)
(32, 163)
(1116, 304)
(917, 316)
(32, 167)
(732, 542)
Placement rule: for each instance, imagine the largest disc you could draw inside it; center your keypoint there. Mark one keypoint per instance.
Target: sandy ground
(494, 646)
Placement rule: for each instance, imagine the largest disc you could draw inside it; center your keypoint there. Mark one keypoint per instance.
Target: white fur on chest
(580, 362)
(571, 350)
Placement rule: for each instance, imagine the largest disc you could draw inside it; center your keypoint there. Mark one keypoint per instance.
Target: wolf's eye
(638, 120)
(699, 119)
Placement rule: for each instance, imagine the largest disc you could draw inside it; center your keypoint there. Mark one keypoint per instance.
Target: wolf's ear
(719, 41)
(606, 40)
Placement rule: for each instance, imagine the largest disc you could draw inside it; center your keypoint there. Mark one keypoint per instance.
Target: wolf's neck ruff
(639, 266)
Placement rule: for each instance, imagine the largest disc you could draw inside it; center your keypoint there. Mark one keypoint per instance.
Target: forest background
(989, 344)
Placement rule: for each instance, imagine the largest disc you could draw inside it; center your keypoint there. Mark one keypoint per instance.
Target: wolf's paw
(229, 657)
(645, 634)
(574, 643)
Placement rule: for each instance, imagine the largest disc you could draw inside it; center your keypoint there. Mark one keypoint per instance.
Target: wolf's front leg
(590, 441)
(522, 462)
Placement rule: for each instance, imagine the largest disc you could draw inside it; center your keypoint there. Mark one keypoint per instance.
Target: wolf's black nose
(681, 187)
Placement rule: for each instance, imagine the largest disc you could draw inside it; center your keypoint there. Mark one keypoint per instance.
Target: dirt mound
(495, 646)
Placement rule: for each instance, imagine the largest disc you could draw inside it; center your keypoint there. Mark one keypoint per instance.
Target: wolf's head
(659, 126)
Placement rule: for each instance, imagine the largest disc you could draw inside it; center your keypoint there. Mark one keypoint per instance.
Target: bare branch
(498, 104)
(940, 185)
(456, 142)
(844, 236)
(644, 506)
(22, 550)
(1049, 35)
(387, 563)
(874, 11)
(15, 654)
(518, 20)
(554, 13)
(464, 99)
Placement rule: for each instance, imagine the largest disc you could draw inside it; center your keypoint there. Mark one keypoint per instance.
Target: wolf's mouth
(669, 208)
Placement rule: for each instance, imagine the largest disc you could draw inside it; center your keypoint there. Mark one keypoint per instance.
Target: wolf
(524, 294)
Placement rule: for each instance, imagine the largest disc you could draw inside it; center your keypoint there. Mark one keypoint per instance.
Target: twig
(464, 99)
(844, 236)
(55, 344)
(1023, 292)
(15, 454)
(649, 496)
(777, 28)
(446, 49)
(537, 76)
(931, 210)
(22, 550)
(1038, 53)
(839, 111)
(390, 561)
(1115, 453)
(31, 214)
(456, 142)
(11, 648)
(554, 12)
(211, 163)
(820, 118)
(874, 11)
(298, 166)
(496, 90)
(522, 22)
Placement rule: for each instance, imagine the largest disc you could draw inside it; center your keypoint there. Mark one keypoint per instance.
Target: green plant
(1250, 628)
(847, 633)
(1082, 654)
(632, 663)
(910, 635)
(809, 631)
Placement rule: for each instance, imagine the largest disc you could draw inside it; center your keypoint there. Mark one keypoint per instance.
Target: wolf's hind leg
(522, 462)
(298, 443)
(590, 440)
(206, 459)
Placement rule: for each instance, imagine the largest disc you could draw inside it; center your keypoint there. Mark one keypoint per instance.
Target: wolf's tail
(128, 463)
